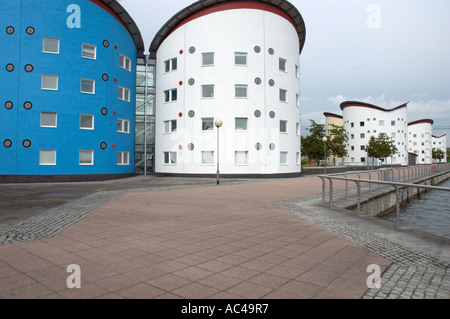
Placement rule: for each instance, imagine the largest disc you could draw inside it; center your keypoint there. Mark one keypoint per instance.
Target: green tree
(438, 154)
(312, 145)
(337, 139)
(381, 147)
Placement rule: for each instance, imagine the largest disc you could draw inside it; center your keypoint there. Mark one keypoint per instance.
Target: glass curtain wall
(145, 116)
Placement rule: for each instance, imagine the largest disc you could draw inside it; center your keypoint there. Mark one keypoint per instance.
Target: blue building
(68, 90)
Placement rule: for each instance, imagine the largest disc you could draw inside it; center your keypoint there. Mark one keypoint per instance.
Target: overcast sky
(384, 52)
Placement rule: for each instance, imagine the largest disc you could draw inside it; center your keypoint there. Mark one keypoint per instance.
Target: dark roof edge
(129, 23)
(363, 104)
(328, 114)
(284, 5)
(439, 136)
(421, 121)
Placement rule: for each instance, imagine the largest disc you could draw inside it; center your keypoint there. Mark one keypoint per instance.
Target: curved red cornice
(371, 106)
(333, 115)
(424, 121)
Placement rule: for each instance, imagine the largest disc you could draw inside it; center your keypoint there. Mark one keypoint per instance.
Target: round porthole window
(30, 30)
(27, 105)
(104, 111)
(191, 81)
(192, 50)
(191, 147)
(191, 113)
(258, 81)
(271, 82)
(258, 146)
(105, 77)
(9, 105)
(26, 143)
(10, 67)
(29, 68)
(103, 145)
(272, 147)
(105, 43)
(272, 114)
(257, 113)
(7, 143)
(257, 49)
(10, 30)
(271, 51)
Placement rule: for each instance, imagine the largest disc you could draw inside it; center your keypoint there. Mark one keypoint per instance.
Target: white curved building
(237, 61)
(363, 120)
(440, 142)
(420, 135)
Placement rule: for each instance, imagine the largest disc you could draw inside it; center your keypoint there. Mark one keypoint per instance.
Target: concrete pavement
(150, 237)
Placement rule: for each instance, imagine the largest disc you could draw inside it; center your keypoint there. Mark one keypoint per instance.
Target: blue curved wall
(49, 19)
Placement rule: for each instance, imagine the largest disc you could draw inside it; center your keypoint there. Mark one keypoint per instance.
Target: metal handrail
(397, 186)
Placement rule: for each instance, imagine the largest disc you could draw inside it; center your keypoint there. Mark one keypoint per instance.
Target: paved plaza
(164, 238)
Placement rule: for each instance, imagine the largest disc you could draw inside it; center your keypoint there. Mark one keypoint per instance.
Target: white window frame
(169, 65)
(43, 45)
(168, 95)
(241, 88)
(91, 153)
(207, 158)
(124, 94)
(203, 91)
(172, 158)
(55, 116)
(206, 120)
(52, 163)
(240, 55)
(237, 154)
(121, 127)
(236, 126)
(169, 127)
(123, 158)
(284, 158)
(284, 61)
(53, 76)
(125, 62)
(92, 121)
(205, 54)
(90, 81)
(285, 92)
(286, 126)
(83, 53)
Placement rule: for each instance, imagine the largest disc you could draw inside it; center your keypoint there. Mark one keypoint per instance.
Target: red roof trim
(425, 121)
(333, 115)
(362, 104)
(233, 6)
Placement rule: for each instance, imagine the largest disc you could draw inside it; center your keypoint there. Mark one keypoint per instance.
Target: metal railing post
(397, 205)
(358, 196)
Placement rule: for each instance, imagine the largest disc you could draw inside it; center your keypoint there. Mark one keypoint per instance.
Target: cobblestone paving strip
(413, 275)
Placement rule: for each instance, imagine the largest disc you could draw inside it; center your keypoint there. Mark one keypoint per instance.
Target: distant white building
(419, 140)
(440, 142)
(363, 120)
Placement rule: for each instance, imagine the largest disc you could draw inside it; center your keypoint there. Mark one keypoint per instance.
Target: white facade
(440, 142)
(419, 140)
(241, 66)
(363, 120)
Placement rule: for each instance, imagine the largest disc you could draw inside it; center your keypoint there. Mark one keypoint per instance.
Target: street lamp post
(218, 124)
(325, 153)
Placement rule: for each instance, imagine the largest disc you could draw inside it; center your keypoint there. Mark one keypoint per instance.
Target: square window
(363, 147)
(125, 62)
(283, 158)
(48, 119)
(207, 157)
(240, 58)
(363, 135)
(241, 124)
(86, 122)
(208, 59)
(89, 51)
(49, 82)
(361, 123)
(170, 65)
(352, 124)
(283, 126)
(282, 65)
(283, 95)
(208, 91)
(50, 45)
(170, 95)
(170, 158)
(123, 158)
(88, 86)
(297, 71)
(86, 157)
(47, 157)
(124, 94)
(381, 122)
(297, 100)
(241, 158)
(297, 128)
(393, 123)
(123, 126)
(240, 91)
(208, 124)
(170, 126)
